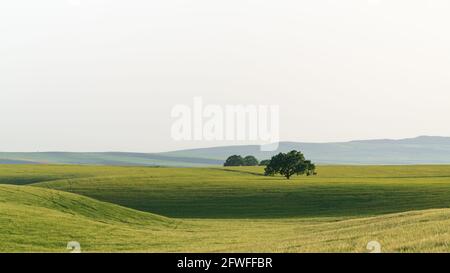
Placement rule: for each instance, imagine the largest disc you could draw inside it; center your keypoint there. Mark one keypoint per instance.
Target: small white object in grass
(374, 247)
(74, 246)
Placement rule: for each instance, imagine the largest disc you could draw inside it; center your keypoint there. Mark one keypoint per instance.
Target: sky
(104, 75)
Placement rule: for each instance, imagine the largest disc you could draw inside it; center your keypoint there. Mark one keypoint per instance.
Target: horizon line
(236, 145)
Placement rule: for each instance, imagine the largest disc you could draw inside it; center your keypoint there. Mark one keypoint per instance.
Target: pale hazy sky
(93, 75)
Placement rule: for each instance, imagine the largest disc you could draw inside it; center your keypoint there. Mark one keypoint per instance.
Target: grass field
(143, 209)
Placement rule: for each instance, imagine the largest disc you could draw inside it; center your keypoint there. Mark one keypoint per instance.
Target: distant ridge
(106, 158)
(419, 150)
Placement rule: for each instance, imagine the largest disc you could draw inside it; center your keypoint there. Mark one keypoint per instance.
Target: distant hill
(420, 150)
(107, 158)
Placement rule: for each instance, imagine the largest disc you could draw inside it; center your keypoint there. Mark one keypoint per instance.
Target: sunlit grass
(217, 210)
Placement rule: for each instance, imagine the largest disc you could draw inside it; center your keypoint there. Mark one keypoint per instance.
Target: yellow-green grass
(42, 220)
(240, 193)
(224, 210)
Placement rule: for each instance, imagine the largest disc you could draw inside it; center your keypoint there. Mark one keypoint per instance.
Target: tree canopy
(234, 160)
(289, 164)
(264, 162)
(237, 160)
(250, 161)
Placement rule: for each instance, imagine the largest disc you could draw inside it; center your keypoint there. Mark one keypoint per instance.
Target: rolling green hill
(405, 208)
(35, 219)
(31, 221)
(338, 191)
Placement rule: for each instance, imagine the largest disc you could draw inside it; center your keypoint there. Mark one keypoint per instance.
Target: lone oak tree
(289, 164)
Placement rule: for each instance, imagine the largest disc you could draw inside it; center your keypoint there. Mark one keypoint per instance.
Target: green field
(145, 209)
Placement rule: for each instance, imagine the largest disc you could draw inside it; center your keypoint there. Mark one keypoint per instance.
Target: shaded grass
(31, 221)
(217, 210)
(338, 191)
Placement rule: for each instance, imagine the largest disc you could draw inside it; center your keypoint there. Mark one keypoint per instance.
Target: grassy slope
(35, 220)
(338, 191)
(40, 219)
